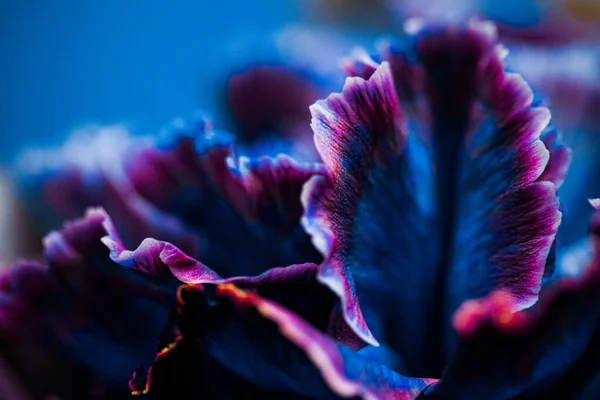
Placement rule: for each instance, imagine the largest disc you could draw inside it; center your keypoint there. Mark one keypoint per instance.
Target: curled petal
(87, 320)
(567, 79)
(188, 188)
(295, 286)
(435, 191)
(289, 356)
(87, 172)
(156, 258)
(550, 349)
(239, 206)
(559, 160)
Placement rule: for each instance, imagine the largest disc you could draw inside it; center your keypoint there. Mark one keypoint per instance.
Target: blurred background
(67, 64)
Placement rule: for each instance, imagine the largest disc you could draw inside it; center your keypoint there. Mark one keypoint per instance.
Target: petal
(157, 258)
(189, 190)
(434, 192)
(87, 172)
(294, 286)
(550, 349)
(269, 347)
(262, 107)
(89, 320)
(238, 205)
(555, 172)
(567, 78)
(560, 158)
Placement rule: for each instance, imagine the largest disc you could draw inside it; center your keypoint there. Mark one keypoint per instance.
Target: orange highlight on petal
(232, 289)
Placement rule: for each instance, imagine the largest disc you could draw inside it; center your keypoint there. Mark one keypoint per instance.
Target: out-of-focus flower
(366, 14)
(434, 209)
(73, 323)
(557, 22)
(266, 104)
(530, 21)
(16, 232)
(268, 120)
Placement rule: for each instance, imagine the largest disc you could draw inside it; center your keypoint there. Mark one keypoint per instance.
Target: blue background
(67, 63)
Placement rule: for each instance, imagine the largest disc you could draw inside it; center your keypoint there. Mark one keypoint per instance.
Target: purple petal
(550, 349)
(87, 320)
(567, 78)
(270, 103)
(87, 172)
(559, 161)
(239, 206)
(295, 286)
(192, 192)
(156, 258)
(434, 192)
(289, 356)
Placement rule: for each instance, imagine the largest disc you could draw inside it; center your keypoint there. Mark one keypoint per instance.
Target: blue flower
(415, 259)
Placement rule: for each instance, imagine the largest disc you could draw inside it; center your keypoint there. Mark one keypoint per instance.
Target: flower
(434, 208)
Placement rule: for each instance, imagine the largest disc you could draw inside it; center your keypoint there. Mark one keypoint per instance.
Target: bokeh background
(67, 64)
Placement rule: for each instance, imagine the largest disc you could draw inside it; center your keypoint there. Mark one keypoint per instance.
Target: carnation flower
(414, 257)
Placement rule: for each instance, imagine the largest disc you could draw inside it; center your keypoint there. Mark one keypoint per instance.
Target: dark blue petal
(87, 171)
(89, 320)
(439, 190)
(237, 205)
(188, 189)
(267, 346)
(294, 286)
(547, 351)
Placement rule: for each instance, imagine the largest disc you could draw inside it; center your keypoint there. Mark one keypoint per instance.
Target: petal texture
(237, 205)
(286, 356)
(436, 190)
(87, 171)
(76, 323)
(188, 188)
(548, 350)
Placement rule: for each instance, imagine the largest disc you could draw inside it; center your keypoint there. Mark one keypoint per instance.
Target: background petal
(269, 104)
(87, 171)
(188, 188)
(238, 205)
(75, 324)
